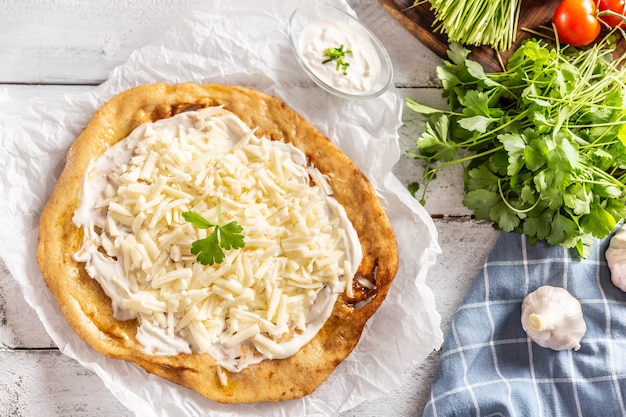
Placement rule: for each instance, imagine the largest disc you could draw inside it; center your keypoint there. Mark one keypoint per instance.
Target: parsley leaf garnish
(210, 250)
(338, 54)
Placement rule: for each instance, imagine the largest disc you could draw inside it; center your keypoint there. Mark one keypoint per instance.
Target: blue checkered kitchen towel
(489, 367)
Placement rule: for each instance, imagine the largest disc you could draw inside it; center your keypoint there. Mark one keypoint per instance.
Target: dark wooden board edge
(418, 20)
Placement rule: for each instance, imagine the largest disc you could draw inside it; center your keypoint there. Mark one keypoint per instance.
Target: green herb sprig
(543, 143)
(210, 250)
(338, 55)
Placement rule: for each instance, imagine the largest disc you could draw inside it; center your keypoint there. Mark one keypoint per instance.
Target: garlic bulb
(616, 258)
(553, 318)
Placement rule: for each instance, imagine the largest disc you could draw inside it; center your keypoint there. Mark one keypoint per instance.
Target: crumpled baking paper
(244, 43)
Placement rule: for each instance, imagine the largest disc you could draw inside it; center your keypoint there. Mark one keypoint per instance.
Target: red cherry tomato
(576, 22)
(617, 6)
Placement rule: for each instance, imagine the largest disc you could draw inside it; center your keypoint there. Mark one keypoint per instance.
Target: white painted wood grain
(48, 383)
(62, 43)
(25, 92)
(20, 327)
(78, 42)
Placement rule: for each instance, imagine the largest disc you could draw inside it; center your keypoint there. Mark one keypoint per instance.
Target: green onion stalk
(478, 22)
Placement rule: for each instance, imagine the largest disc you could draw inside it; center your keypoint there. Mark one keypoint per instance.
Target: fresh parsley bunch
(543, 143)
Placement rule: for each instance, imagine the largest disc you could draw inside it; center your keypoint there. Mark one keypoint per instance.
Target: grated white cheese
(265, 300)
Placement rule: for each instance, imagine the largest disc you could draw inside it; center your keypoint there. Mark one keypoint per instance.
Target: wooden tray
(418, 20)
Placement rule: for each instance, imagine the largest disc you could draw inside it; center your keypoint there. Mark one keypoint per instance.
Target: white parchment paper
(242, 42)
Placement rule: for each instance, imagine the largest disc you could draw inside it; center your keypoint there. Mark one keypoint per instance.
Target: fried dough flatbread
(88, 309)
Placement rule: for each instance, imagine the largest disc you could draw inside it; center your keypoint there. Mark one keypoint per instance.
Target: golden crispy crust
(88, 309)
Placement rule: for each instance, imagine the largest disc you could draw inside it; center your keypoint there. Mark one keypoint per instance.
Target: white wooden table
(67, 46)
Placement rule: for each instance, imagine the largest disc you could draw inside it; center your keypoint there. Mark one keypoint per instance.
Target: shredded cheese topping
(263, 301)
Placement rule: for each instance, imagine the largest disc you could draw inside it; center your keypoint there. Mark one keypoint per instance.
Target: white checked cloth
(489, 367)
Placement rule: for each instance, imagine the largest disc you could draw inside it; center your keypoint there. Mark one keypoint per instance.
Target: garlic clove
(616, 258)
(553, 318)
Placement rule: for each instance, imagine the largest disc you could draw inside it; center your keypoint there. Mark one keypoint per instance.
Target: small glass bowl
(309, 13)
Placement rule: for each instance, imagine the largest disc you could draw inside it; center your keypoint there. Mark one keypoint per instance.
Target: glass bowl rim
(386, 65)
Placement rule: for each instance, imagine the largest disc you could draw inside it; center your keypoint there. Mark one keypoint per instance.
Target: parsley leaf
(421, 108)
(560, 228)
(481, 201)
(504, 216)
(231, 236)
(197, 220)
(413, 188)
(434, 143)
(482, 177)
(539, 224)
(599, 222)
(210, 250)
(578, 198)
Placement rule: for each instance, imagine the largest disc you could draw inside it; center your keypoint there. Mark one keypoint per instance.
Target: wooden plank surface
(419, 20)
(51, 48)
(63, 42)
(91, 39)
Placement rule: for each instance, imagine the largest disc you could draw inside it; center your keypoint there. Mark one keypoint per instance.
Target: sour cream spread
(264, 301)
(364, 69)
